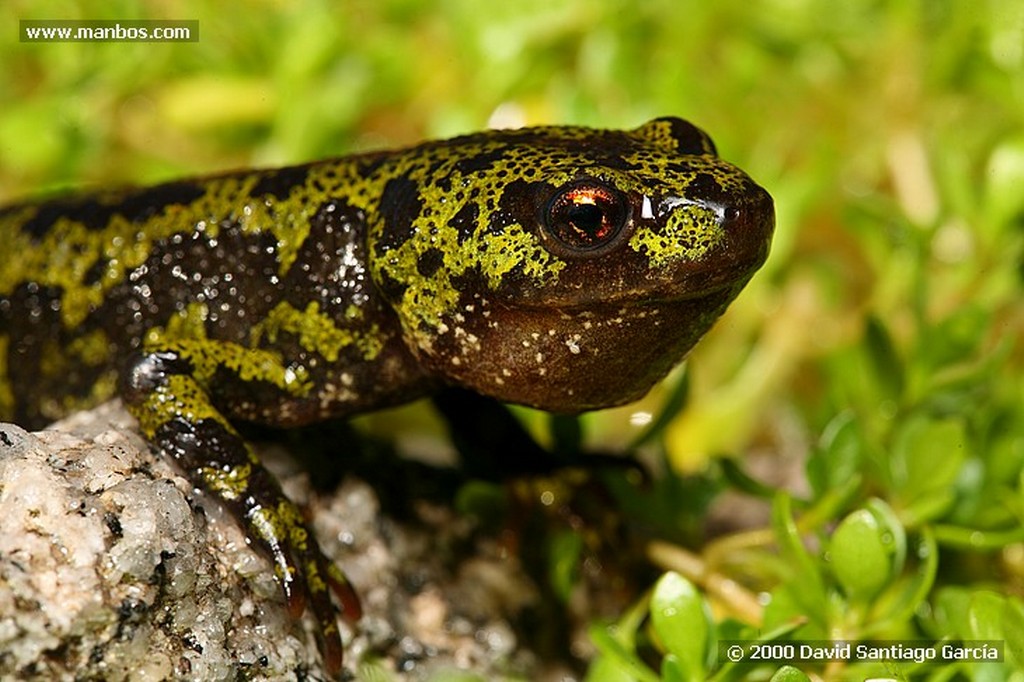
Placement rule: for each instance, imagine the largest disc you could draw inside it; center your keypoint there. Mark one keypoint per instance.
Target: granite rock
(112, 567)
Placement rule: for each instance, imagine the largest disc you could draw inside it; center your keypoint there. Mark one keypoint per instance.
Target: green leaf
(681, 621)
(607, 669)
(617, 659)
(893, 533)
(804, 574)
(564, 559)
(672, 670)
(1005, 176)
(898, 606)
(838, 456)
(673, 404)
(950, 612)
(985, 615)
(483, 500)
(374, 671)
(950, 341)
(859, 555)
(566, 434)
(788, 673)
(742, 482)
(1013, 631)
(927, 456)
(885, 361)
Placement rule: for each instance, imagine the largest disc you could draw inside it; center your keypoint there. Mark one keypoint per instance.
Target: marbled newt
(563, 268)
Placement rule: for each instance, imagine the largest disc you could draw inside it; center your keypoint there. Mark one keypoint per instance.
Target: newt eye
(586, 216)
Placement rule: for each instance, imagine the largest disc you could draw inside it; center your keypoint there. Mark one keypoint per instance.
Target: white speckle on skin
(540, 358)
(331, 394)
(573, 344)
(646, 210)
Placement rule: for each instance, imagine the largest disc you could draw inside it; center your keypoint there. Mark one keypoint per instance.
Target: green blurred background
(873, 365)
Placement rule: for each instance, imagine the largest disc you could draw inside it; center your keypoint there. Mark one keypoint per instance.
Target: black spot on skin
(706, 186)
(479, 162)
(336, 233)
(146, 203)
(521, 202)
(391, 287)
(613, 160)
(95, 212)
(429, 262)
(280, 183)
(205, 442)
(689, 138)
(87, 211)
(400, 205)
(465, 221)
(193, 267)
(336, 215)
(499, 220)
(369, 163)
(30, 318)
(95, 272)
(470, 282)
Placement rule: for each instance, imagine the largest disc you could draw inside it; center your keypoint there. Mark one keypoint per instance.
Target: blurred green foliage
(864, 393)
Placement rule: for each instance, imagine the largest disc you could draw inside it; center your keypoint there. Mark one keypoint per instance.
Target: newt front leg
(165, 390)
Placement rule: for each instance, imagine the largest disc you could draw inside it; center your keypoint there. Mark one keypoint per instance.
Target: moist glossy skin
(564, 268)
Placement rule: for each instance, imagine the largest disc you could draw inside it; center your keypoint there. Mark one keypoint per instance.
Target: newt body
(564, 268)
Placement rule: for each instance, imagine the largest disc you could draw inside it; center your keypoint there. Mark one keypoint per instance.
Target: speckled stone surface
(112, 568)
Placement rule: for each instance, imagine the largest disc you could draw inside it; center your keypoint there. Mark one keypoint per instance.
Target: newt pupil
(589, 221)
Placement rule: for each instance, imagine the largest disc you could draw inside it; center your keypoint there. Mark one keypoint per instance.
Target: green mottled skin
(295, 295)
